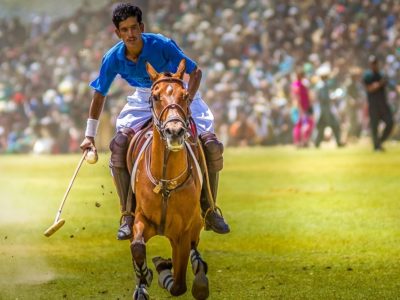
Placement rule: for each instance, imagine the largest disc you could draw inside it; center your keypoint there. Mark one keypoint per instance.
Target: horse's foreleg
(175, 283)
(144, 275)
(200, 288)
(180, 258)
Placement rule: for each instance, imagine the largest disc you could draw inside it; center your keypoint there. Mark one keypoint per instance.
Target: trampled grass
(308, 224)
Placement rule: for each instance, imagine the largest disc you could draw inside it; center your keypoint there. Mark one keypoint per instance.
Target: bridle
(182, 117)
(162, 185)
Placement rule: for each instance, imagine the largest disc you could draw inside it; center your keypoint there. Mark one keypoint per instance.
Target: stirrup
(126, 214)
(217, 223)
(123, 234)
(216, 209)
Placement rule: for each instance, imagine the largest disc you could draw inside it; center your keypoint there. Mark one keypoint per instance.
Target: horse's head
(170, 105)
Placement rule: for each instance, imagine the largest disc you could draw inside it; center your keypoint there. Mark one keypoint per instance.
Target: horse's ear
(181, 69)
(152, 72)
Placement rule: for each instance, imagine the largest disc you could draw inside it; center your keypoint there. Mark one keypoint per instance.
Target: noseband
(160, 125)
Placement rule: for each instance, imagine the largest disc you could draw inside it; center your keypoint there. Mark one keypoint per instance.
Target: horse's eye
(155, 97)
(186, 96)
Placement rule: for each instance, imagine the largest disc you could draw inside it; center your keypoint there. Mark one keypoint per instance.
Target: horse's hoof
(141, 293)
(200, 289)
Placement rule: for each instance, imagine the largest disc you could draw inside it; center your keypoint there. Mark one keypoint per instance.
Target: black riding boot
(213, 220)
(122, 184)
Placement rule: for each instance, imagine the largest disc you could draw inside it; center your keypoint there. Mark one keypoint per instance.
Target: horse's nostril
(168, 131)
(180, 132)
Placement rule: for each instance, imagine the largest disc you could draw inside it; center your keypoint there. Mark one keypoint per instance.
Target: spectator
(242, 133)
(246, 48)
(304, 123)
(378, 107)
(327, 116)
(355, 101)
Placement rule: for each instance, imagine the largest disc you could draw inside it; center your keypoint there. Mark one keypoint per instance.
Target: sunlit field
(306, 224)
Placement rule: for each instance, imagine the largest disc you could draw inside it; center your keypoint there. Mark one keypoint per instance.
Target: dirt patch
(12, 213)
(17, 270)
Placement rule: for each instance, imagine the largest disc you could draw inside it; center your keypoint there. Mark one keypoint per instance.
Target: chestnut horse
(167, 182)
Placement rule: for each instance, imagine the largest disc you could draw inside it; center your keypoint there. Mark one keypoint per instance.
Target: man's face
(130, 31)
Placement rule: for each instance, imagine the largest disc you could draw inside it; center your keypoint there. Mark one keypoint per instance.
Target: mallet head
(53, 228)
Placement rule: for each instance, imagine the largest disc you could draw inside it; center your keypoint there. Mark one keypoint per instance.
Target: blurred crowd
(249, 51)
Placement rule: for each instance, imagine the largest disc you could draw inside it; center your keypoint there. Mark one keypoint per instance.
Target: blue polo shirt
(161, 52)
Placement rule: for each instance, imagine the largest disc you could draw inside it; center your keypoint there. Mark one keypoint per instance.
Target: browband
(168, 79)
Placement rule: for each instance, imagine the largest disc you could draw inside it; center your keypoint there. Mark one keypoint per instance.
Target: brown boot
(122, 183)
(213, 150)
(119, 147)
(213, 217)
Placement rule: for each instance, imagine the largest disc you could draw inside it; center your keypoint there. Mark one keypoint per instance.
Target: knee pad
(213, 150)
(119, 147)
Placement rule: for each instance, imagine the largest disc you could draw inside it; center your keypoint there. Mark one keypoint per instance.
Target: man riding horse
(128, 59)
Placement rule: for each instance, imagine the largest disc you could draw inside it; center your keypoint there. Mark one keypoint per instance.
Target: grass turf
(306, 224)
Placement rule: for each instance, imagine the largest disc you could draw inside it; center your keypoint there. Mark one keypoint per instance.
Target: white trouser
(137, 112)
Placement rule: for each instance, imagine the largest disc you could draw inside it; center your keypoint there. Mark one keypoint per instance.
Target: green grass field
(306, 224)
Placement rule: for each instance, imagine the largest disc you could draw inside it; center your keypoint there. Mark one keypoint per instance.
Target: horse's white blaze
(170, 89)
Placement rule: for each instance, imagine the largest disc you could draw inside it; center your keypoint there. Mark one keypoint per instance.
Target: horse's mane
(167, 74)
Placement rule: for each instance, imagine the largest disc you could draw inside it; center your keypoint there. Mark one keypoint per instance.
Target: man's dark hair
(125, 10)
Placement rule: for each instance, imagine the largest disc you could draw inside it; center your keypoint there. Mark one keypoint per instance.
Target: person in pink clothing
(304, 123)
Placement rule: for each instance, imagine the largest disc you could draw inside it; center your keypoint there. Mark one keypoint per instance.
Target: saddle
(137, 144)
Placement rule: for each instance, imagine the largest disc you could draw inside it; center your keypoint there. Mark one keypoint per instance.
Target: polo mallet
(58, 223)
